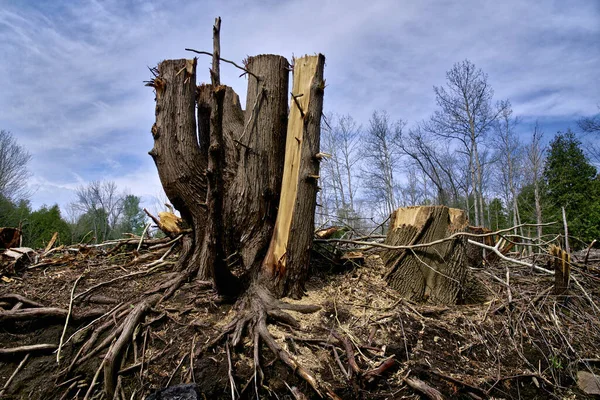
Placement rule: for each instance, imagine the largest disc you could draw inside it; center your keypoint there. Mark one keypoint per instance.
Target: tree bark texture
(224, 172)
(436, 274)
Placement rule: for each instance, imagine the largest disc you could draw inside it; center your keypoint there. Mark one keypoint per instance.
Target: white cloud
(72, 89)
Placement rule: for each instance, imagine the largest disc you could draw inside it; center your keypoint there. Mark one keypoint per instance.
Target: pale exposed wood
(561, 261)
(51, 242)
(28, 349)
(298, 190)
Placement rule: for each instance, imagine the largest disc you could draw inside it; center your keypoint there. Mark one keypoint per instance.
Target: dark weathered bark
(180, 164)
(437, 273)
(252, 196)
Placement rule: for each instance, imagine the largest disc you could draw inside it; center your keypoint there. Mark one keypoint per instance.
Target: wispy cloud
(72, 72)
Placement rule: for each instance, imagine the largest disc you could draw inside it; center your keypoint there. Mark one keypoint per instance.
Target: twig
(142, 238)
(587, 253)
(508, 285)
(295, 98)
(349, 352)
(252, 115)
(93, 322)
(234, 390)
(19, 367)
(192, 358)
(594, 306)
(512, 260)
(64, 331)
(339, 362)
(224, 60)
(146, 271)
(175, 371)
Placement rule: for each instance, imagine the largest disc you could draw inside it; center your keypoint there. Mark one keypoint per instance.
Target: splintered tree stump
(561, 264)
(437, 273)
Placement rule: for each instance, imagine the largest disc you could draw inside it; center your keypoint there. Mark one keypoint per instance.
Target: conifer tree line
(473, 153)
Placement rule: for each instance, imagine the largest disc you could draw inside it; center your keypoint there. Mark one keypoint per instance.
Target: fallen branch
(62, 336)
(512, 260)
(424, 388)
(28, 349)
(9, 381)
(429, 244)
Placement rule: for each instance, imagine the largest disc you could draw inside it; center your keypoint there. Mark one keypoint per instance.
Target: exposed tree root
(112, 361)
(253, 311)
(44, 312)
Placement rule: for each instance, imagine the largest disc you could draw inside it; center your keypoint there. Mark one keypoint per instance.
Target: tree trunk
(224, 173)
(435, 273)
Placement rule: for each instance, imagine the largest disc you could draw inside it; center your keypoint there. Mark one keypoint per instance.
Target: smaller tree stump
(561, 264)
(10, 237)
(437, 273)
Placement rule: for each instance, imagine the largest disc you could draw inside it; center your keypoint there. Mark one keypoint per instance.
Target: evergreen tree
(14, 215)
(41, 226)
(498, 215)
(572, 182)
(133, 219)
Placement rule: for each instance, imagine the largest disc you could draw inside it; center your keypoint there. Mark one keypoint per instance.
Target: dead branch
(424, 388)
(429, 244)
(225, 60)
(9, 381)
(28, 349)
(64, 331)
(512, 260)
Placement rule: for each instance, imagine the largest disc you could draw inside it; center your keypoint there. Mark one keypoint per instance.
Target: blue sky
(72, 71)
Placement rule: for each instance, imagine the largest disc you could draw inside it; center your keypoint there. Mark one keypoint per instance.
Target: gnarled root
(253, 309)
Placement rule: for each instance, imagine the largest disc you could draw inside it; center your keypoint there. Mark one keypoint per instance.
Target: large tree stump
(436, 273)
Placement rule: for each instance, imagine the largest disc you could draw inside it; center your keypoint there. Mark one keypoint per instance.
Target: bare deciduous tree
(13, 168)
(437, 165)
(591, 125)
(102, 204)
(466, 114)
(340, 138)
(510, 157)
(535, 165)
(382, 157)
